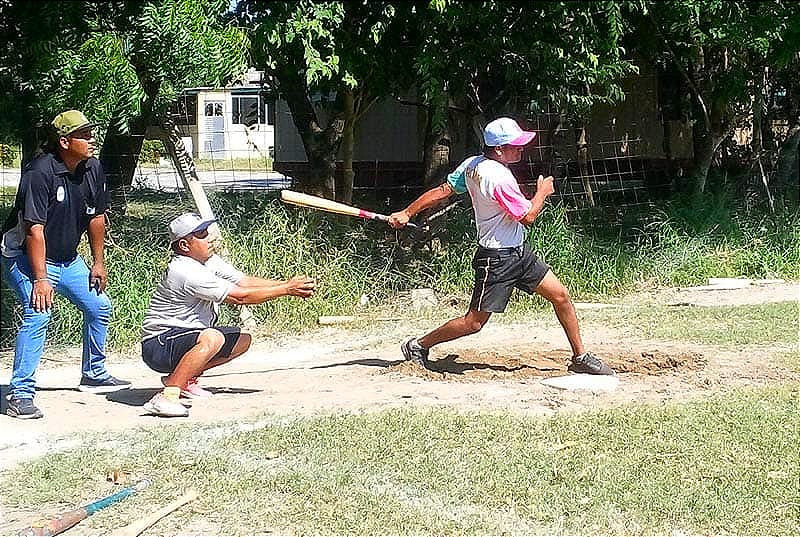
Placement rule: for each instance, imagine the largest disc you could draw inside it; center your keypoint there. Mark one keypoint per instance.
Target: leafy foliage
(721, 49)
(8, 154)
(119, 60)
(501, 55)
(316, 52)
(152, 151)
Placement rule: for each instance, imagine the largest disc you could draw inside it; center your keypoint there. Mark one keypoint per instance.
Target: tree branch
(692, 85)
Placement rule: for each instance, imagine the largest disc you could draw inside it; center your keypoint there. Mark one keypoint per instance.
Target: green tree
(330, 61)
(721, 49)
(492, 58)
(121, 62)
(485, 56)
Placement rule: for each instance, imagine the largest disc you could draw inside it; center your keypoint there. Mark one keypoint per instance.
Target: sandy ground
(338, 370)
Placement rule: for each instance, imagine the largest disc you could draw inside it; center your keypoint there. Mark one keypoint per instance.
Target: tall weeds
(679, 243)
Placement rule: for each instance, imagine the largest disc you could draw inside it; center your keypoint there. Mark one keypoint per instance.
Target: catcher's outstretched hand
(301, 286)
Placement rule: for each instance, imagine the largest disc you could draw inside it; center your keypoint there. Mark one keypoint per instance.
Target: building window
(246, 110)
(213, 109)
(270, 106)
(184, 110)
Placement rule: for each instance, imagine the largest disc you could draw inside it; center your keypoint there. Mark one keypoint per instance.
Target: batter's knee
(560, 296)
(473, 326)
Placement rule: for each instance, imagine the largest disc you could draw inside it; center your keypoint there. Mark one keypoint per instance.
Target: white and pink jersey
(496, 199)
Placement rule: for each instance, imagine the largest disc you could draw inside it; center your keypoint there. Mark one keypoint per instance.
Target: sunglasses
(202, 234)
(83, 134)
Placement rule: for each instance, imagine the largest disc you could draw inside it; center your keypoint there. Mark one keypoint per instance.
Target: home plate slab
(582, 381)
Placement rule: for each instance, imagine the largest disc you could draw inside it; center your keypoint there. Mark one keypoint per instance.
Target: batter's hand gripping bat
(65, 521)
(322, 204)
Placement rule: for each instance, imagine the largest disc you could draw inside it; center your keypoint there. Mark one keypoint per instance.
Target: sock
(172, 393)
(415, 346)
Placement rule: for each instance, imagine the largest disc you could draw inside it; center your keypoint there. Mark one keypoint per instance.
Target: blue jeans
(70, 280)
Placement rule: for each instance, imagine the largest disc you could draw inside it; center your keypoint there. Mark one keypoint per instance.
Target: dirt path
(338, 370)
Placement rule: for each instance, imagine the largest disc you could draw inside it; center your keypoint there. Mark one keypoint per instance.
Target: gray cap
(186, 224)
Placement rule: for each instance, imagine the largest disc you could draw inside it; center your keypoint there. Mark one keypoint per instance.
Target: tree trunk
(344, 191)
(700, 88)
(756, 145)
(29, 146)
(118, 157)
(321, 180)
(787, 176)
(121, 150)
(321, 144)
(436, 154)
(703, 146)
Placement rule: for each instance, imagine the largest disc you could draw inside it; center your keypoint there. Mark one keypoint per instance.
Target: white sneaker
(161, 406)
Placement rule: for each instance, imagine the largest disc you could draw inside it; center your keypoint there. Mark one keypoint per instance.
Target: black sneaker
(589, 363)
(106, 385)
(23, 409)
(412, 354)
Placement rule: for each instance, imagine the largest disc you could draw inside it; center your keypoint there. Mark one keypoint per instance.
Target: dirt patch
(520, 362)
(657, 362)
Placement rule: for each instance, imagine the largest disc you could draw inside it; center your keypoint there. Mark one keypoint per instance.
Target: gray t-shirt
(189, 294)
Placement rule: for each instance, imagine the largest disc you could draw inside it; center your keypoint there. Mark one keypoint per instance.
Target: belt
(62, 263)
(511, 250)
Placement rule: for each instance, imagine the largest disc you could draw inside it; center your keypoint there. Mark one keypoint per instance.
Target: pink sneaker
(194, 391)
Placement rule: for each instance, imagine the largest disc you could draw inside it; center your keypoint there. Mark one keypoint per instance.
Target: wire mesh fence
(602, 169)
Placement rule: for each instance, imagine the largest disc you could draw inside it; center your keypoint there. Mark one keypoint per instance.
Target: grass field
(721, 463)
(717, 465)
(727, 326)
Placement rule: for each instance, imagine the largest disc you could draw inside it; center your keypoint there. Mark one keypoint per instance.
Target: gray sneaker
(589, 363)
(414, 353)
(107, 385)
(23, 409)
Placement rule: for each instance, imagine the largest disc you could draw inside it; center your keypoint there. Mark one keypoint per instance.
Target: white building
(227, 123)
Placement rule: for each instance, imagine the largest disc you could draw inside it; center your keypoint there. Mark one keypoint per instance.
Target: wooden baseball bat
(330, 206)
(64, 521)
(138, 526)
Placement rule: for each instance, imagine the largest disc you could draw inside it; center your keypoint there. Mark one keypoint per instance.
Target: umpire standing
(61, 195)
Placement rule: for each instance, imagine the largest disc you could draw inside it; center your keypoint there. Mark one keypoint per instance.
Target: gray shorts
(499, 270)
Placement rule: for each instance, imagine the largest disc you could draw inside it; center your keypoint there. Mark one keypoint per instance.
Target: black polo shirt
(64, 203)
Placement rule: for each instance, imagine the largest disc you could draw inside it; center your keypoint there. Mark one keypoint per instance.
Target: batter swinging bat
(65, 521)
(330, 206)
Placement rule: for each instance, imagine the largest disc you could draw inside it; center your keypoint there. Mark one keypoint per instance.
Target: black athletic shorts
(499, 270)
(163, 352)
